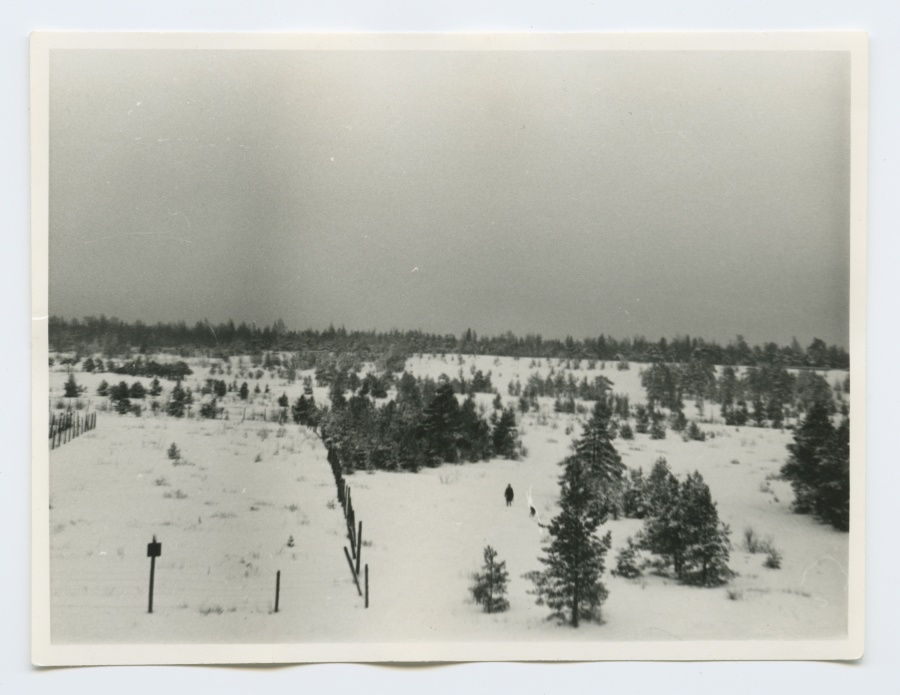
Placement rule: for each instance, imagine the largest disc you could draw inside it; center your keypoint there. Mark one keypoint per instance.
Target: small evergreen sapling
(489, 590)
(695, 433)
(628, 561)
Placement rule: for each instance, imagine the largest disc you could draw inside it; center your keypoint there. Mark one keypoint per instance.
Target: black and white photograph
(422, 347)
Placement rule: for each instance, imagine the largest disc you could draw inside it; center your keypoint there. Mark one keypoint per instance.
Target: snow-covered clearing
(226, 512)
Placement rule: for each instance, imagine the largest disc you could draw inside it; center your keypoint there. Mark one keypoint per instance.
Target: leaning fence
(64, 427)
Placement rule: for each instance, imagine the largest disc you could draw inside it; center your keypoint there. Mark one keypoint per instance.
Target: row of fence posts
(64, 427)
(354, 531)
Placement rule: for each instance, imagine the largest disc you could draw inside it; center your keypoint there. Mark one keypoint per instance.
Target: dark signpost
(154, 550)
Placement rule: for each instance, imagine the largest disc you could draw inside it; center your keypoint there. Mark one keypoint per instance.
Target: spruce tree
(155, 388)
(244, 392)
(570, 585)
(489, 590)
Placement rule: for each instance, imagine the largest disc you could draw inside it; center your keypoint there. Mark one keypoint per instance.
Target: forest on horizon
(114, 337)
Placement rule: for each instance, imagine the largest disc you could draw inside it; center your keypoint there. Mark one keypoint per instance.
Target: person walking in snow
(509, 495)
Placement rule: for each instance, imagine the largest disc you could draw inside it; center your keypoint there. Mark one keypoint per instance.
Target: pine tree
(641, 420)
(683, 528)
(603, 463)
(759, 411)
(208, 409)
(678, 420)
(628, 561)
(695, 433)
(71, 387)
(155, 388)
(474, 440)
(489, 590)
(440, 425)
(664, 528)
(505, 437)
(244, 392)
(634, 504)
(660, 488)
(176, 404)
(832, 496)
(657, 430)
(103, 388)
(803, 470)
(119, 392)
(570, 585)
(300, 410)
(706, 539)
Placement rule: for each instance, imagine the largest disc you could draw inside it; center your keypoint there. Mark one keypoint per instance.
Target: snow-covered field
(226, 514)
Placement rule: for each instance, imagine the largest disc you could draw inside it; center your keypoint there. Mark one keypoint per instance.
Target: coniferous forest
(113, 337)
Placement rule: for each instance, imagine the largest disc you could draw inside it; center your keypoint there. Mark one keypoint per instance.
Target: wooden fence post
(355, 578)
(352, 539)
(358, 546)
(277, 588)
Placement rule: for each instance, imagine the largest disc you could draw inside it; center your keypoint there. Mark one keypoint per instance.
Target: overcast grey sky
(546, 192)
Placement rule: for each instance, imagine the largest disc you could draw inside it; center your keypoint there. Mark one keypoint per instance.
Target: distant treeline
(113, 338)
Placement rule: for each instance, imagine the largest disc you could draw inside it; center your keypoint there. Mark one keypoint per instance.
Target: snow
(224, 520)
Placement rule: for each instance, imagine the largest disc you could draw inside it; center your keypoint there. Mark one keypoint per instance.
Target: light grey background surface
(877, 673)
